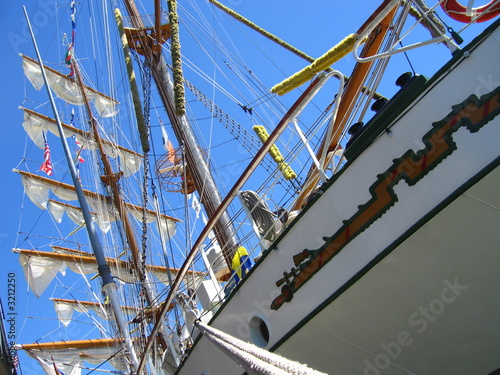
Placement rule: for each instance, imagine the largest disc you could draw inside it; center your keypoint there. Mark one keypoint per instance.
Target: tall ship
(208, 191)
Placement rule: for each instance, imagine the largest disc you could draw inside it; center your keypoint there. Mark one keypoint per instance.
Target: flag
(15, 360)
(79, 149)
(170, 152)
(167, 145)
(195, 205)
(241, 264)
(69, 53)
(79, 146)
(164, 136)
(46, 165)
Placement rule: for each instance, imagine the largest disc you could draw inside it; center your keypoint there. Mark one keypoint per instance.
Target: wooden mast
(111, 179)
(198, 166)
(352, 90)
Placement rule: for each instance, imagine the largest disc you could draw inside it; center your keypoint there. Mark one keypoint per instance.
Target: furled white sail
(58, 209)
(40, 268)
(67, 364)
(39, 272)
(36, 124)
(69, 360)
(65, 309)
(37, 188)
(67, 89)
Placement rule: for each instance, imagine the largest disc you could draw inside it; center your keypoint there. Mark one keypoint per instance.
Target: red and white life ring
(458, 12)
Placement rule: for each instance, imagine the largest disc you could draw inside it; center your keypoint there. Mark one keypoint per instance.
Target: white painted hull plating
(417, 291)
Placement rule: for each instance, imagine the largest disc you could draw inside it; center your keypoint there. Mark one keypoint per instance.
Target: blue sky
(314, 27)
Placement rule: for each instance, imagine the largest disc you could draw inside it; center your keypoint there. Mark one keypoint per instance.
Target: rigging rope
(260, 30)
(245, 138)
(253, 359)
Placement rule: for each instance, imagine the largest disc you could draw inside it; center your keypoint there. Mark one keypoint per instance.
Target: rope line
(253, 359)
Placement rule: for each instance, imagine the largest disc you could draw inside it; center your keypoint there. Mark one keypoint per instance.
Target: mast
(198, 166)
(108, 282)
(111, 179)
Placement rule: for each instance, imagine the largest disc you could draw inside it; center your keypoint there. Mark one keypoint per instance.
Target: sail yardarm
(131, 309)
(65, 308)
(89, 259)
(37, 188)
(67, 192)
(78, 344)
(70, 355)
(283, 166)
(41, 267)
(66, 89)
(143, 131)
(35, 124)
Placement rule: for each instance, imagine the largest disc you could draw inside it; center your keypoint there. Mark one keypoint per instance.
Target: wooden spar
(147, 313)
(77, 344)
(90, 259)
(89, 304)
(80, 132)
(273, 137)
(65, 77)
(60, 248)
(88, 193)
(65, 205)
(83, 303)
(198, 166)
(351, 92)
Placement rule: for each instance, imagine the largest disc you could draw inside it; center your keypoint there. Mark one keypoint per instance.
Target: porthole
(259, 332)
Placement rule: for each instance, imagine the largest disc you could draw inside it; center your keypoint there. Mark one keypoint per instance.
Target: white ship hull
(408, 284)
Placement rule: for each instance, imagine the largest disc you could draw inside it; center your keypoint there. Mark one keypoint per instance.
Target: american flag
(15, 360)
(46, 165)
